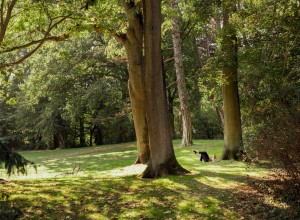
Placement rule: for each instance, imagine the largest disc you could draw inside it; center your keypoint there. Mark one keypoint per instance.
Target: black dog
(204, 156)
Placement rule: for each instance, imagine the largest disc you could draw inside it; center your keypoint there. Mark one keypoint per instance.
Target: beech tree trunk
(138, 102)
(162, 157)
(133, 42)
(232, 116)
(184, 107)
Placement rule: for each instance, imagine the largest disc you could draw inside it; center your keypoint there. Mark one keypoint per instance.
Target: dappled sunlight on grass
(219, 182)
(107, 186)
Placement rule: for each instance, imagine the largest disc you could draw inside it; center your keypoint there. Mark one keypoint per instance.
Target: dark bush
(278, 141)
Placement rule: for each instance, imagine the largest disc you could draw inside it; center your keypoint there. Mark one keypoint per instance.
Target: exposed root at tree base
(173, 168)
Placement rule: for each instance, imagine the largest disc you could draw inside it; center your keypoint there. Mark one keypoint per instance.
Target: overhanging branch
(50, 38)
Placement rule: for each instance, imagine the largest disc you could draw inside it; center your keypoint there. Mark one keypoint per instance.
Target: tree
(181, 87)
(232, 116)
(162, 157)
(132, 40)
(127, 29)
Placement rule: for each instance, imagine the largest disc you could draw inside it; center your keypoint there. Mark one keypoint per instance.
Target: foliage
(13, 161)
(269, 67)
(27, 25)
(65, 86)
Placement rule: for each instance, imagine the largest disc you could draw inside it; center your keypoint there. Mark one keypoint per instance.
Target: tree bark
(184, 107)
(162, 157)
(133, 42)
(232, 116)
(138, 102)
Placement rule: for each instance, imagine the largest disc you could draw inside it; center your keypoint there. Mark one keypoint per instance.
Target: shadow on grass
(173, 197)
(220, 190)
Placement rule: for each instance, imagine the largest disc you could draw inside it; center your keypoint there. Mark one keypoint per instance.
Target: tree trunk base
(142, 159)
(229, 155)
(186, 144)
(169, 168)
(138, 161)
(234, 155)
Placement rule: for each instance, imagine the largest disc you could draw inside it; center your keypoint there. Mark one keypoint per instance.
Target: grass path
(107, 187)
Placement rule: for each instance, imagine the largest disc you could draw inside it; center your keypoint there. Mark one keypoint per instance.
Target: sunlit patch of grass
(134, 169)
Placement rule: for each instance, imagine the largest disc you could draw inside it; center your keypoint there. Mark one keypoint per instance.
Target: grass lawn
(107, 186)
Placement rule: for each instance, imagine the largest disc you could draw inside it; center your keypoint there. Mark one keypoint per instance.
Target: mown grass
(107, 186)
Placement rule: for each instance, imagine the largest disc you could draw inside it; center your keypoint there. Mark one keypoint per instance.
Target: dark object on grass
(204, 156)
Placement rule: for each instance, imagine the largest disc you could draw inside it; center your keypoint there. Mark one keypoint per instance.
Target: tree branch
(40, 43)
(169, 60)
(4, 22)
(2, 14)
(50, 38)
(121, 38)
(47, 35)
(171, 84)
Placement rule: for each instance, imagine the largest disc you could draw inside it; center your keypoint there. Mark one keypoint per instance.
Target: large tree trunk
(138, 103)
(232, 117)
(162, 157)
(133, 42)
(184, 107)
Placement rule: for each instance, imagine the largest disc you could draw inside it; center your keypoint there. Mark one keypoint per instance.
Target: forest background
(64, 74)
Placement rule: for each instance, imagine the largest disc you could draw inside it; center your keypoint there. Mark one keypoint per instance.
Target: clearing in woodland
(102, 183)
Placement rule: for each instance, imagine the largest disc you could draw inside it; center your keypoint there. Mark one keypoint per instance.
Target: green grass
(107, 186)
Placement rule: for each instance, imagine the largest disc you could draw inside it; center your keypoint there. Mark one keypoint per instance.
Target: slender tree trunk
(133, 42)
(232, 117)
(91, 135)
(200, 64)
(170, 101)
(220, 116)
(55, 141)
(184, 107)
(98, 135)
(81, 132)
(171, 116)
(162, 157)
